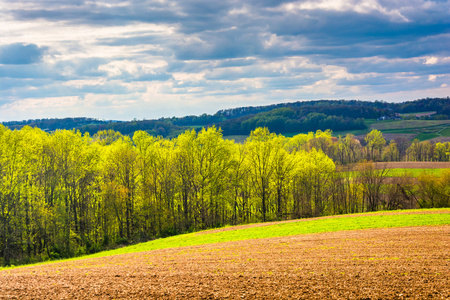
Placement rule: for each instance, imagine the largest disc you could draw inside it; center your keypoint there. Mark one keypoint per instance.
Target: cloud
(21, 54)
(143, 58)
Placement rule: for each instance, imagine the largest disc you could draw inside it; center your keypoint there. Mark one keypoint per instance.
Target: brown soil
(394, 263)
(421, 114)
(442, 139)
(403, 165)
(238, 227)
(391, 136)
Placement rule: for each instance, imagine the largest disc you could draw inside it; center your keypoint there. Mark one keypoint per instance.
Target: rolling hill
(378, 255)
(342, 116)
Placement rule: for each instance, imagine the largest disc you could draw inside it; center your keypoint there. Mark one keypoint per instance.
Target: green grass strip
(350, 222)
(445, 132)
(304, 226)
(414, 172)
(400, 172)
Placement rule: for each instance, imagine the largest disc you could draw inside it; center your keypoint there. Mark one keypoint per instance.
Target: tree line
(349, 108)
(66, 193)
(300, 116)
(286, 120)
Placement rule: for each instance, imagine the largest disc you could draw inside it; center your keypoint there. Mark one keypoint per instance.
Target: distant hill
(294, 117)
(54, 124)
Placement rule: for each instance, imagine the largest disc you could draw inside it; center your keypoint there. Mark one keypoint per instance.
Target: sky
(147, 59)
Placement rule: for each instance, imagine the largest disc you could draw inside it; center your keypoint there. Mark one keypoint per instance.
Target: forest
(294, 117)
(65, 193)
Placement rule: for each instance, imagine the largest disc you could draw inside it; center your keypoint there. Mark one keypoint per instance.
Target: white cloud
(32, 108)
(188, 77)
(364, 7)
(432, 77)
(431, 60)
(123, 59)
(85, 82)
(133, 68)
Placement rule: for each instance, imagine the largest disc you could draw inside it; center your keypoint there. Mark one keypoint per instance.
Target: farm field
(436, 134)
(309, 263)
(413, 165)
(411, 129)
(413, 169)
(442, 135)
(435, 130)
(408, 124)
(414, 172)
(445, 132)
(420, 114)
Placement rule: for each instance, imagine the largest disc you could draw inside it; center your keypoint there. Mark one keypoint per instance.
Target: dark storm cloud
(386, 66)
(228, 44)
(60, 71)
(55, 89)
(21, 54)
(349, 34)
(217, 30)
(104, 13)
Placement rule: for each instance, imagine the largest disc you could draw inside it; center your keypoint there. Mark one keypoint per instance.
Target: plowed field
(406, 165)
(395, 263)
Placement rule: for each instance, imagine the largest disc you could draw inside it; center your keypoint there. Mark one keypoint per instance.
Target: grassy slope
(241, 138)
(445, 132)
(436, 133)
(349, 222)
(399, 172)
(407, 124)
(319, 225)
(414, 172)
(423, 129)
(305, 226)
(419, 114)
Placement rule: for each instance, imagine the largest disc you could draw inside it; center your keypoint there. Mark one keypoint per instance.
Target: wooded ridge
(295, 117)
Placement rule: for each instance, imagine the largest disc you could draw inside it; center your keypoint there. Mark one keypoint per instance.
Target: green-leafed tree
(262, 149)
(375, 143)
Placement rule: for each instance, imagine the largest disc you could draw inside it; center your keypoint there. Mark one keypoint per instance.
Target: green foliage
(302, 116)
(420, 151)
(435, 191)
(375, 143)
(283, 120)
(67, 194)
